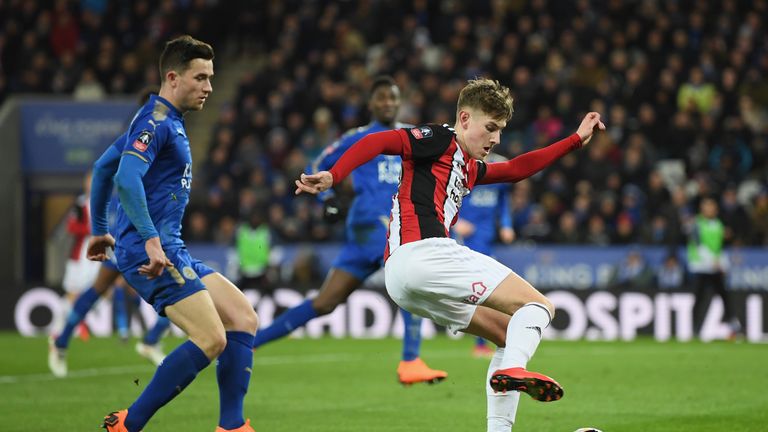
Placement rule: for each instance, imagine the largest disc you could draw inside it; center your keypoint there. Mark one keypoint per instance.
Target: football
(587, 429)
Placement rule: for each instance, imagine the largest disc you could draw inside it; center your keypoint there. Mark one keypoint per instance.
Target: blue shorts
(360, 260)
(175, 284)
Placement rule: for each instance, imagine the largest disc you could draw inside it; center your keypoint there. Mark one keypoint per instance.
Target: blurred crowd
(682, 86)
(95, 48)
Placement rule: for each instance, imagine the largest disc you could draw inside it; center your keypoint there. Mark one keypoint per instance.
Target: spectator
(632, 273)
(671, 274)
(253, 250)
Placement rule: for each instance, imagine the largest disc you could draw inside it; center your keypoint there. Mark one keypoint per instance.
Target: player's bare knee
(249, 322)
(550, 307)
(216, 345)
(256, 322)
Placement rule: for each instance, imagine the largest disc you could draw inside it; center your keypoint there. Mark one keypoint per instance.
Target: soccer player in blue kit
(107, 277)
(374, 183)
(153, 183)
(485, 213)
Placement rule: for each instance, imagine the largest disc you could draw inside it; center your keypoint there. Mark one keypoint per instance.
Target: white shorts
(79, 275)
(441, 280)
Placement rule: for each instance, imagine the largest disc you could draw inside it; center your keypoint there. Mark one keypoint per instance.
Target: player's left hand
(98, 246)
(314, 183)
(157, 259)
(589, 126)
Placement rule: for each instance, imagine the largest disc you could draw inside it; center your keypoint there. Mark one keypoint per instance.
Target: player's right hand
(331, 210)
(314, 183)
(157, 259)
(97, 247)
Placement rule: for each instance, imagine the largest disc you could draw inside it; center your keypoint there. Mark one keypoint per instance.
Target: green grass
(350, 385)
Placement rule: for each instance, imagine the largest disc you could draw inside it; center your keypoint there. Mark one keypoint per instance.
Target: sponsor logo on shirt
(142, 141)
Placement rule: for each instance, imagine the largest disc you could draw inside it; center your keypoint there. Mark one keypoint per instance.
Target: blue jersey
(486, 205)
(156, 137)
(374, 183)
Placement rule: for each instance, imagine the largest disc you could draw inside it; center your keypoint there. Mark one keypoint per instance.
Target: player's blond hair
(487, 95)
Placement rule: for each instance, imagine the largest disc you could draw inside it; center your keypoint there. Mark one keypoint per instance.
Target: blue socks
(83, 304)
(233, 372)
(121, 312)
(152, 337)
(287, 322)
(411, 336)
(173, 375)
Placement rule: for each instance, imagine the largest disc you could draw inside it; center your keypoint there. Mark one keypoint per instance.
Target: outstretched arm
(370, 146)
(530, 163)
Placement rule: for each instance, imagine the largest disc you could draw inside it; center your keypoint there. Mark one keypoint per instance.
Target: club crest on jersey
(189, 273)
(421, 132)
(142, 141)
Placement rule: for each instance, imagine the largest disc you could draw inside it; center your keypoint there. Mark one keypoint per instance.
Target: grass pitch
(330, 385)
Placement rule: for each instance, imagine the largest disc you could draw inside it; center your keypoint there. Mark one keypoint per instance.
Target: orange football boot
(538, 386)
(83, 332)
(244, 428)
(115, 421)
(416, 371)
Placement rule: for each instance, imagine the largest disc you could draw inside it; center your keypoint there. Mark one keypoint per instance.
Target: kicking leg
(336, 288)
(531, 314)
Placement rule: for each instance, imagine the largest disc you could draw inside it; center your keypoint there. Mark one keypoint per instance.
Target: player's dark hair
(381, 81)
(180, 51)
(489, 96)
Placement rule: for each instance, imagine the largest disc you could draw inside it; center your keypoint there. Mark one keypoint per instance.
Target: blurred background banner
(546, 267)
(609, 314)
(65, 137)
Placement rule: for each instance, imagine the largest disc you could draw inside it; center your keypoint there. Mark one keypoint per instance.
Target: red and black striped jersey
(437, 175)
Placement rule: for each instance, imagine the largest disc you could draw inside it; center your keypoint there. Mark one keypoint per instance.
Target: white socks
(524, 334)
(502, 407)
(523, 337)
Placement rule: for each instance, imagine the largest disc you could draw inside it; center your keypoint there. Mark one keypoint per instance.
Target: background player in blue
(153, 182)
(485, 213)
(374, 184)
(108, 276)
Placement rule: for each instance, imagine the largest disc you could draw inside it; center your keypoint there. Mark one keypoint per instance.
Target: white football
(588, 429)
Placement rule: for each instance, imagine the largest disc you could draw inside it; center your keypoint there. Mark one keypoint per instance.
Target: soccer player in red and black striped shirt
(427, 272)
